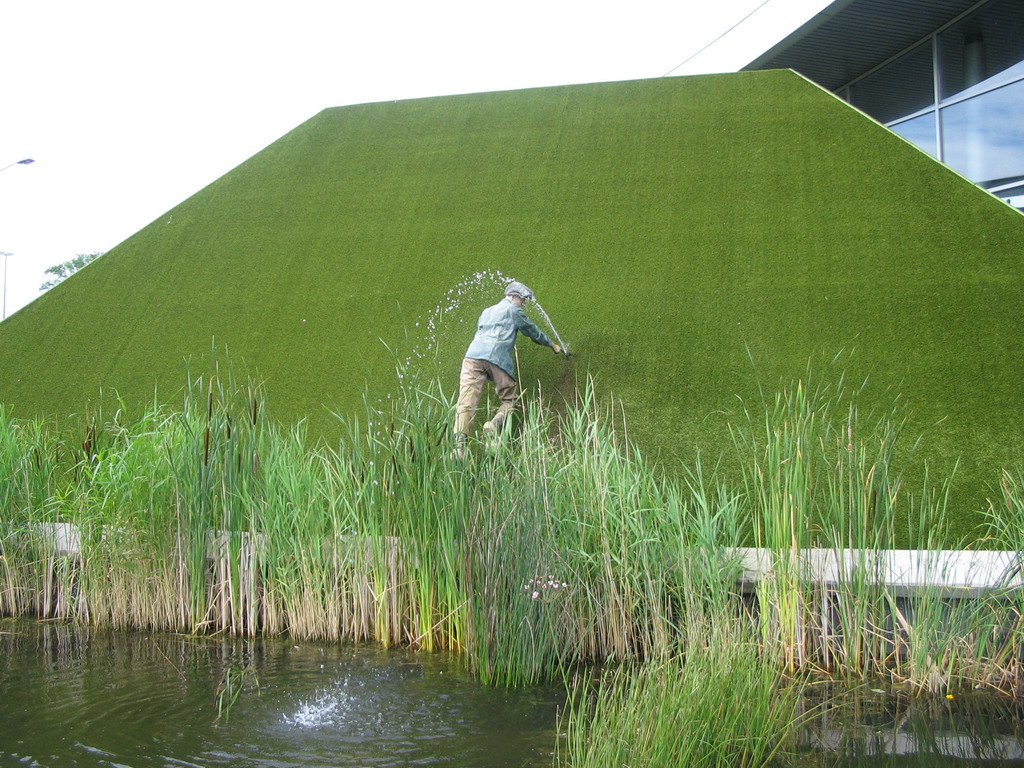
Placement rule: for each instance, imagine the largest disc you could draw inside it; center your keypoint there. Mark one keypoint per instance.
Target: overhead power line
(730, 29)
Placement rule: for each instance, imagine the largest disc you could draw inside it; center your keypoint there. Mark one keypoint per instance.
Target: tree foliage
(63, 271)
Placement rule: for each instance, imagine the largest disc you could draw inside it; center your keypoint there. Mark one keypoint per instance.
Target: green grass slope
(689, 237)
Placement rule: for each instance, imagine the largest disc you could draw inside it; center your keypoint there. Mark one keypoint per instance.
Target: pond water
(878, 727)
(84, 697)
(74, 697)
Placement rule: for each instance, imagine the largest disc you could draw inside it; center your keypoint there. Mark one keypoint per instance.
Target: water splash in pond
(84, 697)
(74, 696)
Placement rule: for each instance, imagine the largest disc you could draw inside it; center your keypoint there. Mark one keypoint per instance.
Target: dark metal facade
(852, 37)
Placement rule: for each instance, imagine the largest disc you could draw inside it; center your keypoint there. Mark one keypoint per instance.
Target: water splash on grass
(477, 290)
(551, 325)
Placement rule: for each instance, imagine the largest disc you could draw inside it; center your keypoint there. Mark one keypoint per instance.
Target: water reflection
(983, 137)
(881, 728)
(920, 131)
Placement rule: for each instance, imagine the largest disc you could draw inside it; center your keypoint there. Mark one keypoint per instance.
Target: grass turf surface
(692, 239)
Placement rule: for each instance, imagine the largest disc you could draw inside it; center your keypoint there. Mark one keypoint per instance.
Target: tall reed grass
(723, 704)
(823, 486)
(561, 544)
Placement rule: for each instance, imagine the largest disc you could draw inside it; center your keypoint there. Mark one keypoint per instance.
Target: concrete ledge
(954, 572)
(62, 537)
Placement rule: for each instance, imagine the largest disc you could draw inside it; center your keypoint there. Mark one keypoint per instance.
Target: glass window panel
(1016, 72)
(920, 131)
(982, 47)
(983, 137)
(899, 89)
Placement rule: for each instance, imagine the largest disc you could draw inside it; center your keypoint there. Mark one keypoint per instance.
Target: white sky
(130, 106)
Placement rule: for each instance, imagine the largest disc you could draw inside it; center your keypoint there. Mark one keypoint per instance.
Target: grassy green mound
(691, 238)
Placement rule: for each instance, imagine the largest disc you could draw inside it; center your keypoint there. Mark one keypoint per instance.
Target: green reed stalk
(719, 705)
(1002, 645)
(824, 496)
(858, 523)
(423, 505)
(780, 476)
(32, 471)
(211, 518)
(127, 580)
(609, 512)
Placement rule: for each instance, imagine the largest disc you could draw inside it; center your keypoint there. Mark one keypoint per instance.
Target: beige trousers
(475, 374)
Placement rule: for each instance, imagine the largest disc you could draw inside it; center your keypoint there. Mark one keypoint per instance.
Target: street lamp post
(5, 254)
(26, 161)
